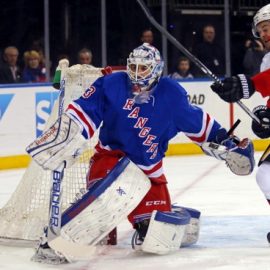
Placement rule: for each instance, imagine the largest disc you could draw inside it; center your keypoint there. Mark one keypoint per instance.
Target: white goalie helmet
(144, 67)
(261, 15)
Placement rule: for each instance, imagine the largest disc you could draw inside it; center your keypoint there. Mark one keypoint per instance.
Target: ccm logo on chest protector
(149, 203)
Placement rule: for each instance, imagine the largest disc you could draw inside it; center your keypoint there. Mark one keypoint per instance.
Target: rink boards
(25, 108)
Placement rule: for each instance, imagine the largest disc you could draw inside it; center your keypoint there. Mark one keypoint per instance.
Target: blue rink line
(234, 231)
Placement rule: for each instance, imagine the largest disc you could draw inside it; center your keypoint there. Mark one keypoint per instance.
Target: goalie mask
(262, 14)
(144, 68)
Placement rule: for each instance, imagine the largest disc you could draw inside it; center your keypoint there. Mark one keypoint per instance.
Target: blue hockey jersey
(141, 131)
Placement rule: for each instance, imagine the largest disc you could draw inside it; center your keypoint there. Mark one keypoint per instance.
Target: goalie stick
(195, 60)
(57, 175)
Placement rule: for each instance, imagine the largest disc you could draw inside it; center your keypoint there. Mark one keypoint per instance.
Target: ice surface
(234, 223)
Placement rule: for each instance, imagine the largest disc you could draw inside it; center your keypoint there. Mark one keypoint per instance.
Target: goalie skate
(162, 234)
(44, 254)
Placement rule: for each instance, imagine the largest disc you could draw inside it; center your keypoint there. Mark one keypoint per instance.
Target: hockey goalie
(137, 112)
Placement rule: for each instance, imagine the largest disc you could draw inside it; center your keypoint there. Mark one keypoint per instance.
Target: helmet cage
(144, 66)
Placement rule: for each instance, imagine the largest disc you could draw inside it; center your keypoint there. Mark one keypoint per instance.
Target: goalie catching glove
(61, 142)
(238, 155)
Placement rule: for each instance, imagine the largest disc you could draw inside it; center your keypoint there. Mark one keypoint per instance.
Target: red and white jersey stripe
(77, 112)
(203, 134)
(152, 171)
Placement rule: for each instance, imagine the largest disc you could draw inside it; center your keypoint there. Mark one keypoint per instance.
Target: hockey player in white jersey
(242, 86)
(138, 112)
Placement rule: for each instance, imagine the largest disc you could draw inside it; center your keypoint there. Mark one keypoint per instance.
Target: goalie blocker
(63, 141)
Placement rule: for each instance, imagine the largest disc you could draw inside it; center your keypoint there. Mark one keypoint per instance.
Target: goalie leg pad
(103, 207)
(61, 142)
(165, 232)
(192, 230)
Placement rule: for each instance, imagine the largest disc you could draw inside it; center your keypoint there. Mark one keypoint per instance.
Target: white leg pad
(165, 232)
(89, 220)
(192, 230)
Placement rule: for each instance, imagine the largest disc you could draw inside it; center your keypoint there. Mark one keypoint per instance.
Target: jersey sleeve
(87, 111)
(261, 83)
(196, 124)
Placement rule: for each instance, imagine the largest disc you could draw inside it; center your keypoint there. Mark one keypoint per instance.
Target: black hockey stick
(233, 127)
(195, 60)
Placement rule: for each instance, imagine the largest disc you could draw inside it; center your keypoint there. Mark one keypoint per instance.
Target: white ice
(234, 223)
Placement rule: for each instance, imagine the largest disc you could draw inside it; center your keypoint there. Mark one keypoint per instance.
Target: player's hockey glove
(238, 155)
(262, 130)
(234, 88)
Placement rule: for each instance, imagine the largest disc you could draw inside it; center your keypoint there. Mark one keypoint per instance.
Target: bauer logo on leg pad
(55, 203)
